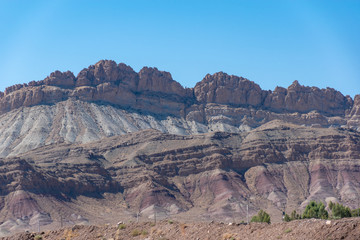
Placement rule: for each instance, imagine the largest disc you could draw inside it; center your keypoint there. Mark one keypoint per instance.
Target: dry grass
(228, 236)
(183, 226)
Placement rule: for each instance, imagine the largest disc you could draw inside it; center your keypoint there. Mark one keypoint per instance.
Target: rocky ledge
(156, 92)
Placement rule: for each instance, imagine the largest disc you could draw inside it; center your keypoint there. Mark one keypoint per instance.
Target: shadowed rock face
(276, 166)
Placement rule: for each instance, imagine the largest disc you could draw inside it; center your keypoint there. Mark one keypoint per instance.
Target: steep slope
(108, 99)
(278, 166)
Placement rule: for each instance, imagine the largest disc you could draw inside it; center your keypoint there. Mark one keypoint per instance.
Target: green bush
(262, 216)
(287, 218)
(135, 233)
(38, 237)
(339, 211)
(355, 212)
(122, 226)
(315, 210)
(294, 215)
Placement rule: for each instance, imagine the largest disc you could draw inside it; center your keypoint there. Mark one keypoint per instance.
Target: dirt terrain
(299, 229)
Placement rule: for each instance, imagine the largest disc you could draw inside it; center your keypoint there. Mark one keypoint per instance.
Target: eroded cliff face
(117, 142)
(150, 90)
(277, 167)
(109, 99)
(156, 92)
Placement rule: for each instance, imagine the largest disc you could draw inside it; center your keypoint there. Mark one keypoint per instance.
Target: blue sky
(271, 43)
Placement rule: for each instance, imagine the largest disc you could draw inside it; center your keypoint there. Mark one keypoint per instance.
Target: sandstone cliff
(156, 92)
(109, 99)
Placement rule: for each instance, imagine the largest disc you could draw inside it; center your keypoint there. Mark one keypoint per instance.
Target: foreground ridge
(300, 229)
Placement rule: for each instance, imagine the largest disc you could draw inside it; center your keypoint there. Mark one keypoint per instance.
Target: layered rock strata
(277, 167)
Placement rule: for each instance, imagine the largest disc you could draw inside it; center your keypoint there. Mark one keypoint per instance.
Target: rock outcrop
(155, 91)
(200, 153)
(61, 107)
(276, 166)
(229, 90)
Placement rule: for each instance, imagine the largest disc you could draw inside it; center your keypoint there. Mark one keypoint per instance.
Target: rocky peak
(228, 89)
(355, 111)
(103, 71)
(60, 79)
(14, 88)
(150, 88)
(299, 98)
(151, 79)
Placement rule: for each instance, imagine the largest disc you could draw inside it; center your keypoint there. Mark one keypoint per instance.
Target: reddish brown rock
(153, 80)
(237, 100)
(60, 79)
(298, 98)
(225, 89)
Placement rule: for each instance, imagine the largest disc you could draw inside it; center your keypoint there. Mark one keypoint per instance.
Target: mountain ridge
(125, 85)
(113, 143)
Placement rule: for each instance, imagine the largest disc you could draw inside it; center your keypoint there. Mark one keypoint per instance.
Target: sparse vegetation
(182, 228)
(38, 237)
(287, 218)
(315, 210)
(355, 212)
(288, 230)
(122, 226)
(339, 211)
(135, 233)
(262, 216)
(228, 236)
(293, 216)
(170, 221)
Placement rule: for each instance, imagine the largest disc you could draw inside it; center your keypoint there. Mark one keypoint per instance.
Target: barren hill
(112, 144)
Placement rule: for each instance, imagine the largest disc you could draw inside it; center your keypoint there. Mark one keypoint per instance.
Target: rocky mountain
(111, 143)
(109, 99)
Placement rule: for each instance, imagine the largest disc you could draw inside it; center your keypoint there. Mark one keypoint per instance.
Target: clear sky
(271, 43)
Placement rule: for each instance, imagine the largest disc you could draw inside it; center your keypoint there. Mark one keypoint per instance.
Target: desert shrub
(287, 218)
(144, 232)
(315, 210)
(293, 216)
(135, 233)
(122, 226)
(170, 221)
(339, 211)
(182, 228)
(227, 236)
(288, 230)
(262, 216)
(355, 212)
(38, 237)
